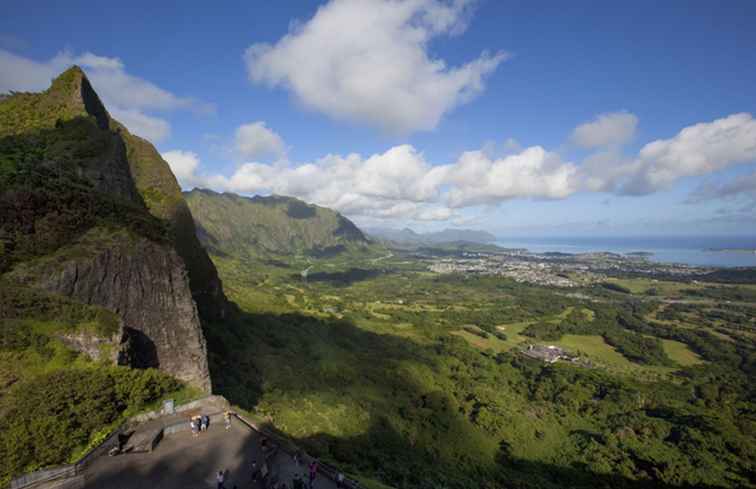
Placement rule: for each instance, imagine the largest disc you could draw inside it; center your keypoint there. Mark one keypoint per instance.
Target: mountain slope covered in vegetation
(259, 226)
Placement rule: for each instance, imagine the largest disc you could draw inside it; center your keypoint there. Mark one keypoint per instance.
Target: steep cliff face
(162, 195)
(142, 281)
(94, 213)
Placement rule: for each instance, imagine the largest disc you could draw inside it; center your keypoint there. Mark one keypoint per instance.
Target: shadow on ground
(418, 434)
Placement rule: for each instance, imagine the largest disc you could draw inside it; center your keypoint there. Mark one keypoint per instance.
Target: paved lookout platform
(183, 461)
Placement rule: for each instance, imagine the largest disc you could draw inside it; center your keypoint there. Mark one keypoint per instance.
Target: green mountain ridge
(230, 224)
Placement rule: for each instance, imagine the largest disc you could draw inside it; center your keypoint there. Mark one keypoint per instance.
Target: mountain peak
(73, 89)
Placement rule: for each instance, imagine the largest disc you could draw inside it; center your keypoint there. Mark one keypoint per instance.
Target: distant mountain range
(254, 226)
(407, 236)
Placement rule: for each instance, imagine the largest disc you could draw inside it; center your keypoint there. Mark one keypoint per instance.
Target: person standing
(221, 479)
(313, 473)
(195, 427)
(340, 480)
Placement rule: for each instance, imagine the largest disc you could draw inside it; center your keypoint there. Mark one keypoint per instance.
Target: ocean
(689, 250)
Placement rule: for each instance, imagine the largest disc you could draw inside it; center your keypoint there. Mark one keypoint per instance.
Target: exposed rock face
(162, 194)
(116, 349)
(146, 284)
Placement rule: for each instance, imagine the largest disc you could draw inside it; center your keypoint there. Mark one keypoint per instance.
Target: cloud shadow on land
(408, 428)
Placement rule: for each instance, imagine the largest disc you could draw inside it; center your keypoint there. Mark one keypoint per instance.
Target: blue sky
(431, 113)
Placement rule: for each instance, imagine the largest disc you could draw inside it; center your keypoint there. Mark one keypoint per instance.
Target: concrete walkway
(182, 461)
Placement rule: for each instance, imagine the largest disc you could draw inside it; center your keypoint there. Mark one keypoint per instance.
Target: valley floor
(411, 379)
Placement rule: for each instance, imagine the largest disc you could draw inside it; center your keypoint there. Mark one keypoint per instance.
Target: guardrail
(284, 444)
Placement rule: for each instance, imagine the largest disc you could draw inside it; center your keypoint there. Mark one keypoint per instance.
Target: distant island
(731, 250)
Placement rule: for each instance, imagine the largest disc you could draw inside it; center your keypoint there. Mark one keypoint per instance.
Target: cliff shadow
(143, 350)
(340, 279)
(376, 407)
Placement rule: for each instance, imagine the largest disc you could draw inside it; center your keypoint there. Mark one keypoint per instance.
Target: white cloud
(400, 184)
(153, 128)
(696, 150)
(612, 129)
(255, 140)
(396, 184)
(534, 172)
(183, 164)
(124, 94)
(368, 61)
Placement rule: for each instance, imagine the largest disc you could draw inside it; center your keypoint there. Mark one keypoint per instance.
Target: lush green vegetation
(398, 376)
(259, 226)
(53, 416)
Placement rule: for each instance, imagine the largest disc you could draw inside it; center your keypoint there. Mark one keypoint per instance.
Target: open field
(680, 353)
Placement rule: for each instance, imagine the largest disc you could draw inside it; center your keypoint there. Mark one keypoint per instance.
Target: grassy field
(680, 353)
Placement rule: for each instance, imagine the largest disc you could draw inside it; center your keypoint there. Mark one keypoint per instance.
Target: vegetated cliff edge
(92, 212)
(253, 226)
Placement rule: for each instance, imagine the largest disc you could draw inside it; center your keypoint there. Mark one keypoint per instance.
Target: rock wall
(146, 284)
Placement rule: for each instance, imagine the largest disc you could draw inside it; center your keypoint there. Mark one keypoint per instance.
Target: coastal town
(556, 269)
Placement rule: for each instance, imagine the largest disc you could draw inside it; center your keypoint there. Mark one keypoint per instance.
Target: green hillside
(259, 226)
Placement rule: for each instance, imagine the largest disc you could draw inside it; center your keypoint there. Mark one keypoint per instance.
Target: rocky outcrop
(116, 349)
(146, 284)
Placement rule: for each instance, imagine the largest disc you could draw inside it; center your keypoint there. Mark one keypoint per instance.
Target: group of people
(260, 472)
(199, 424)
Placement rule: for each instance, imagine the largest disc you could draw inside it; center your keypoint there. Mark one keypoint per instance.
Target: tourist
(204, 420)
(296, 458)
(227, 418)
(221, 478)
(193, 423)
(340, 480)
(313, 473)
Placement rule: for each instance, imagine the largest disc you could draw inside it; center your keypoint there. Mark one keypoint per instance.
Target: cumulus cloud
(401, 183)
(127, 95)
(613, 129)
(534, 172)
(255, 140)
(141, 124)
(368, 61)
(396, 184)
(184, 165)
(696, 150)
